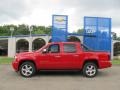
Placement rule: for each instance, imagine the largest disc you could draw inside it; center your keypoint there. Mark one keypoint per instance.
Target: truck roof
(64, 42)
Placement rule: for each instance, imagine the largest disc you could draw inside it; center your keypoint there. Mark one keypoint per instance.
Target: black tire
(27, 69)
(90, 70)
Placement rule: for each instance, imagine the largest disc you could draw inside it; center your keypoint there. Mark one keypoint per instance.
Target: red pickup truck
(62, 56)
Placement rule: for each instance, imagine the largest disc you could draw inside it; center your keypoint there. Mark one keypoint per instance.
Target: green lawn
(116, 62)
(7, 60)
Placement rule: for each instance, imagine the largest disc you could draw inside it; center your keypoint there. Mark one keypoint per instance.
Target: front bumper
(15, 65)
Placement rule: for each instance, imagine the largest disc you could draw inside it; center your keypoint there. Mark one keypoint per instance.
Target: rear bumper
(105, 64)
(15, 65)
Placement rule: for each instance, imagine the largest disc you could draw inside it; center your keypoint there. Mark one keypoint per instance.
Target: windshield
(40, 49)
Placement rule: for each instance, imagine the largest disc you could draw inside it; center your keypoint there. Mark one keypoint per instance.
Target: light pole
(11, 29)
(31, 29)
(30, 44)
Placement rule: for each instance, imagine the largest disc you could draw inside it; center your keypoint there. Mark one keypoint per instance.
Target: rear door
(70, 56)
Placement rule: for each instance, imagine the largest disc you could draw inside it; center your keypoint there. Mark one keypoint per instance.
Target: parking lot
(107, 79)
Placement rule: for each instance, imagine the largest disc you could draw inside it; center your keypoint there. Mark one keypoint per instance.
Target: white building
(12, 45)
(9, 46)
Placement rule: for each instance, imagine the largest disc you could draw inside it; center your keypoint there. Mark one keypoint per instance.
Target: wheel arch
(26, 60)
(95, 61)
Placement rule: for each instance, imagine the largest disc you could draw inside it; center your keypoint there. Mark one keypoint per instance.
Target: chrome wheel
(90, 70)
(27, 70)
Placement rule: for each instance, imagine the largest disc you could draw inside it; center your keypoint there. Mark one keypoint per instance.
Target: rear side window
(69, 48)
(85, 48)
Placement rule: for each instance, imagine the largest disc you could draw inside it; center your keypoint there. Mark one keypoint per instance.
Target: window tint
(54, 49)
(69, 48)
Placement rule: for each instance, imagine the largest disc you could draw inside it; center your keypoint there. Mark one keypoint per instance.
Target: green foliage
(4, 30)
(116, 62)
(114, 35)
(21, 29)
(116, 48)
(79, 31)
(24, 30)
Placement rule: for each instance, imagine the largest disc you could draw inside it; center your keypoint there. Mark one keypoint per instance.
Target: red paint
(62, 60)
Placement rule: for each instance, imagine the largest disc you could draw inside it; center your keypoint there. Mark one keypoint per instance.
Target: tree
(48, 30)
(114, 35)
(24, 30)
(79, 31)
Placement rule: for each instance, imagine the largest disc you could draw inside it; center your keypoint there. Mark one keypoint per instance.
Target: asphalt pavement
(107, 79)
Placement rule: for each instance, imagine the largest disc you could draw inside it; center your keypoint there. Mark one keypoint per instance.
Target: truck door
(70, 56)
(52, 58)
(55, 56)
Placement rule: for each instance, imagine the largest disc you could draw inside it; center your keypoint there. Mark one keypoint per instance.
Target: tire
(27, 69)
(90, 70)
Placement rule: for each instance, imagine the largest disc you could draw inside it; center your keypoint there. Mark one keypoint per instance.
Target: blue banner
(97, 33)
(59, 28)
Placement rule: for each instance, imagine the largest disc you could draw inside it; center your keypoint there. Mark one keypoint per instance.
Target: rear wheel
(27, 69)
(90, 69)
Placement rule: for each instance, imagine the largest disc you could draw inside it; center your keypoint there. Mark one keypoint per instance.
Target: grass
(7, 60)
(116, 62)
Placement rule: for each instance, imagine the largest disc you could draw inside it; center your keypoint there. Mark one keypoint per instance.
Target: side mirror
(44, 51)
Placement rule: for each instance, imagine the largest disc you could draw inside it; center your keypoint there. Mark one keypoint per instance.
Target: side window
(54, 48)
(69, 48)
(85, 48)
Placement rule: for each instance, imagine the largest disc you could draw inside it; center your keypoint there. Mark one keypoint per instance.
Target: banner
(97, 33)
(59, 28)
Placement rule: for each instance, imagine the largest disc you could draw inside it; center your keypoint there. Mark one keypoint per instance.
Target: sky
(39, 12)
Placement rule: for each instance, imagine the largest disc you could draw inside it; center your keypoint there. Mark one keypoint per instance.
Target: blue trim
(4, 36)
(96, 17)
(35, 35)
(66, 27)
(52, 26)
(74, 34)
(110, 26)
(58, 15)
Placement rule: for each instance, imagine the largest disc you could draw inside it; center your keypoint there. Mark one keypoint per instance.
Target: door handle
(76, 55)
(57, 56)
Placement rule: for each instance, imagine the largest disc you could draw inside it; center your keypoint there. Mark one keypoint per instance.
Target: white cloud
(40, 11)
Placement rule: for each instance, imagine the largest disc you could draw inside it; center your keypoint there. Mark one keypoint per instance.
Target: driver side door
(51, 58)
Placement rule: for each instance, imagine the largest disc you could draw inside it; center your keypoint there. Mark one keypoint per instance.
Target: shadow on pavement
(59, 73)
(70, 73)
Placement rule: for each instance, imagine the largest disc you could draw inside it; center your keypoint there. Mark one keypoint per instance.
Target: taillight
(109, 57)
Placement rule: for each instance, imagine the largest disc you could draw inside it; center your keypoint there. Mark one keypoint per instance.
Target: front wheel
(27, 69)
(90, 70)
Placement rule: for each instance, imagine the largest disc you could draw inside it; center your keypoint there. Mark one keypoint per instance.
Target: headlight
(15, 57)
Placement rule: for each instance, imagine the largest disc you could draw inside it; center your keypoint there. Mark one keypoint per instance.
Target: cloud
(12, 9)
(100, 8)
(40, 11)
